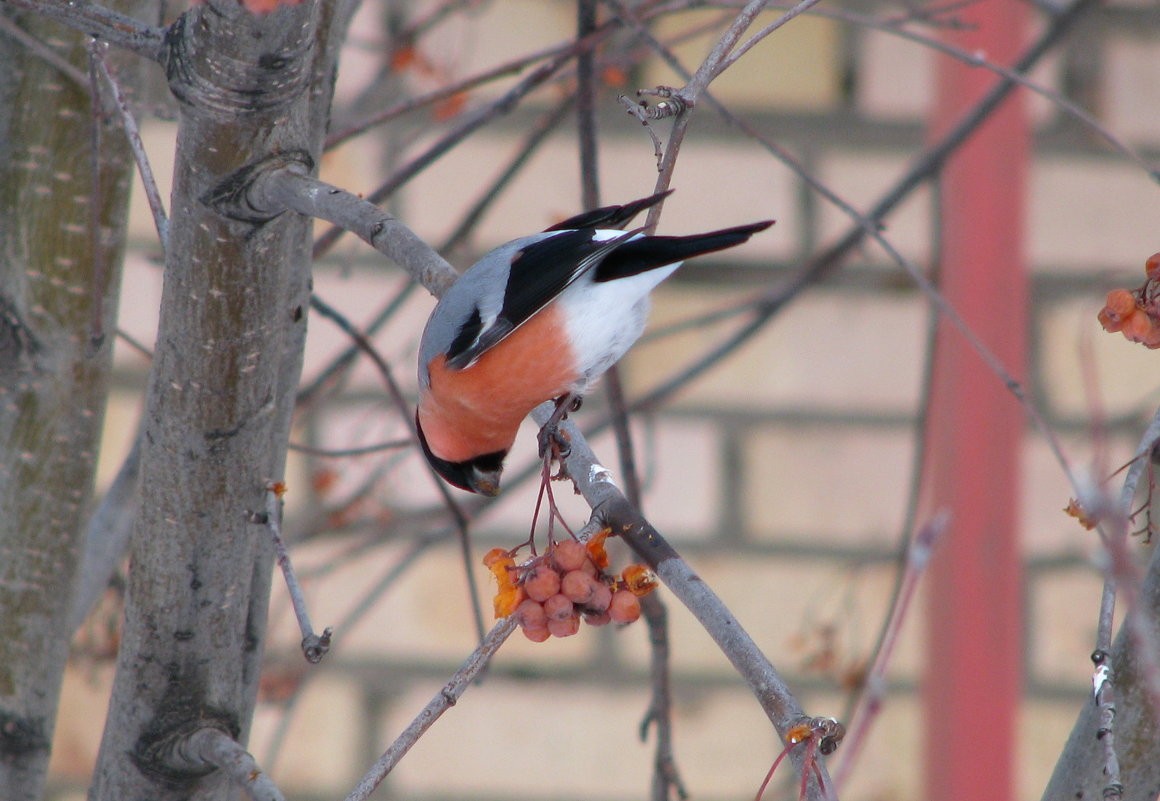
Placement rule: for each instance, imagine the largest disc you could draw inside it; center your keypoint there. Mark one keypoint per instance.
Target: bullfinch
(536, 319)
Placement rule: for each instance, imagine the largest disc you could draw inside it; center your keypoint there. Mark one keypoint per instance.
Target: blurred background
(787, 473)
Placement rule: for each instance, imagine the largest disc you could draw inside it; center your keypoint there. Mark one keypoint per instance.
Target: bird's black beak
(485, 482)
(480, 474)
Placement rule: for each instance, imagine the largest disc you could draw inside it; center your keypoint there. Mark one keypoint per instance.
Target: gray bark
(221, 392)
(1079, 773)
(59, 283)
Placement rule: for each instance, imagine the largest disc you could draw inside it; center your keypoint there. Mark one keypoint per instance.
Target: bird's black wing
(610, 216)
(537, 274)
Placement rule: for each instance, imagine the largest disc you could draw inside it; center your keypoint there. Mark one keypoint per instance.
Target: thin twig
(536, 135)
(744, 47)
(48, 55)
(1119, 570)
(314, 646)
(586, 108)
(439, 95)
(137, 148)
(443, 700)
(368, 601)
(461, 522)
(768, 304)
(917, 559)
(470, 123)
(345, 453)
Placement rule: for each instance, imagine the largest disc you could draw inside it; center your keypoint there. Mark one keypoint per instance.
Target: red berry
(1152, 265)
(578, 586)
(625, 607)
(1121, 302)
(1119, 308)
(1138, 327)
(558, 607)
(537, 634)
(600, 599)
(541, 583)
(569, 555)
(530, 614)
(566, 627)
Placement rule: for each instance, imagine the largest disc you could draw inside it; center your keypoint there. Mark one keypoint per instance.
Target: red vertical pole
(973, 669)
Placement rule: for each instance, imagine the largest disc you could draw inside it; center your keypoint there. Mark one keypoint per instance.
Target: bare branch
(107, 536)
(269, 192)
(610, 508)
(471, 122)
(461, 521)
(208, 748)
(50, 56)
(133, 135)
(314, 646)
(442, 701)
(100, 22)
(917, 558)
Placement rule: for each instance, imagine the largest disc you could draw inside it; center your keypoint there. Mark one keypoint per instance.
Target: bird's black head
(480, 474)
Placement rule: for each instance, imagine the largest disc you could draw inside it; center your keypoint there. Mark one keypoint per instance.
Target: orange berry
(1137, 327)
(596, 550)
(541, 583)
(530, 614)
(577, 586)
(566, 627)
(494, 555)
(536, 633)
(625, 607)
(558, 607)
(639, 579)
(1152, 265)
(507, 600)
(569, 555)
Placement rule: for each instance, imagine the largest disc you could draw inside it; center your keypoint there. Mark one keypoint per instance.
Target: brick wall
(782, 474)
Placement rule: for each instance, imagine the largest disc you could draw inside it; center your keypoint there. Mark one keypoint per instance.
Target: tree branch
(99, 22)
(268, 189)
(610, 508)
(207, 749)
(443, 700)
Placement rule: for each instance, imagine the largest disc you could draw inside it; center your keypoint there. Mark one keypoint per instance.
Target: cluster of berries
(1136, 314)
(550, 593)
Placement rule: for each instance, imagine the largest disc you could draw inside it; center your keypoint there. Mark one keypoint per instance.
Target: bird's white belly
(605, 319)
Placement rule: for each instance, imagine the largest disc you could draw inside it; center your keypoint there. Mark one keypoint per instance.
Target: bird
(536, 319)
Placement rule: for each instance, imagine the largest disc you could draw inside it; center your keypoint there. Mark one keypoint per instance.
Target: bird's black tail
(650, 252)
(609, 216)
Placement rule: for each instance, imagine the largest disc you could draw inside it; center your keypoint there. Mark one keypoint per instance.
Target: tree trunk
(1079, 773)
(221, 393)
(59, 281)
